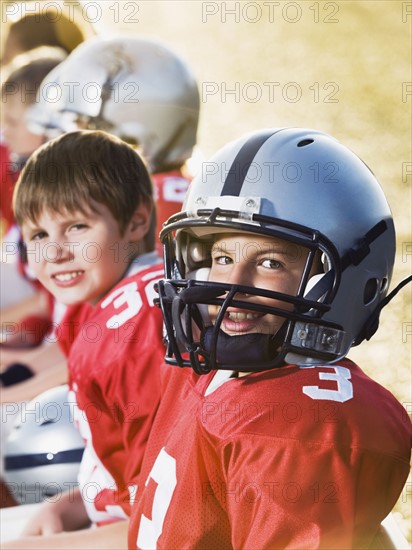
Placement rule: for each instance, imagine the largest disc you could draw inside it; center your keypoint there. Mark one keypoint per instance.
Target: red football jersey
(114, 373)
(290, 458)
(169, 191)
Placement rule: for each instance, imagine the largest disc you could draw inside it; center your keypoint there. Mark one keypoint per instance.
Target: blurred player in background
(35, 37)
(39, 30)
(27, 321)
(21, 81)
(29, 30)
(29, 25)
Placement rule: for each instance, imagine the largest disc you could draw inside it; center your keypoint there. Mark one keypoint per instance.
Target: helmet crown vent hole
(305, 142)
(47, 422)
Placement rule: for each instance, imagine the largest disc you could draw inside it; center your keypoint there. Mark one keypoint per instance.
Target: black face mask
(212, 348)
(243, 352)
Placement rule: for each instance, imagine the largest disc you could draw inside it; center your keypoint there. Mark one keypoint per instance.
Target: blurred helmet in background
(134, 88)
(44, 449)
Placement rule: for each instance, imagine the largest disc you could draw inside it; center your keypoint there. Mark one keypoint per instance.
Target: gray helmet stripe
(240, 166)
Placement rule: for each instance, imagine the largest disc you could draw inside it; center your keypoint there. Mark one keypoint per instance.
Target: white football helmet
(42, 453)
(302, 186)
(135, 88)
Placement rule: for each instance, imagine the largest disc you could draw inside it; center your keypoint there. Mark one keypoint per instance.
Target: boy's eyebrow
(28, 231)
(260, 248)
(31, 225)
(216, 247)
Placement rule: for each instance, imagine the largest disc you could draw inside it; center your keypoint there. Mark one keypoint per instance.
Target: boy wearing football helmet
(279, 262)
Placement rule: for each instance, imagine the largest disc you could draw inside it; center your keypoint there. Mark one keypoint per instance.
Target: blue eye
(222, 260)
(272, 264)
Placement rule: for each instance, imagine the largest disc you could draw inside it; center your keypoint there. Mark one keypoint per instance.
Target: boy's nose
(58, 252)
(240, 275)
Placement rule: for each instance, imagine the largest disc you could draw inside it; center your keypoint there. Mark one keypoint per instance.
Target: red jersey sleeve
(70, 326)
(114, 373)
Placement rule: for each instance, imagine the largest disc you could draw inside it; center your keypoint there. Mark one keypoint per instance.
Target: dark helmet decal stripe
(19, 462)
(240, 166)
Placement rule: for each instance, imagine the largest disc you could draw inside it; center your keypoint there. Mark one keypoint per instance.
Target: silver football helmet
(302, 186)
(42, 454)
(135, 88)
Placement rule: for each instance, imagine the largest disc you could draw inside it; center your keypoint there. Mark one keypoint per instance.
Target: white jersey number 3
(164, 474)
(344, 387)
(127, 300)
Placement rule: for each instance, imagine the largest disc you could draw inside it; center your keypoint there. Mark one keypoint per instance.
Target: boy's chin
(69, 300)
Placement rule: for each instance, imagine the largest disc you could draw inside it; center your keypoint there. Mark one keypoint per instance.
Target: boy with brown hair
(84, 202)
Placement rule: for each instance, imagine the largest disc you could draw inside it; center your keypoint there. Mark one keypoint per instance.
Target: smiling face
(261, 262)
(80, 256)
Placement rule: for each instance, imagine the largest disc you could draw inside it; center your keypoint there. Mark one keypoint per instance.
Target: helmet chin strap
(244, 352)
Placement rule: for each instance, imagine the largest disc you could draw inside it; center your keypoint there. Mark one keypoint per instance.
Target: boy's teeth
(67, 276)
(236, 316)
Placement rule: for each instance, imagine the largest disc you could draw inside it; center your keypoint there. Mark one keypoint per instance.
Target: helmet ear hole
(197, 254)
(371, 290)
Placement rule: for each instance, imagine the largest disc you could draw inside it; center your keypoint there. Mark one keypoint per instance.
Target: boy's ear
(140, 222)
